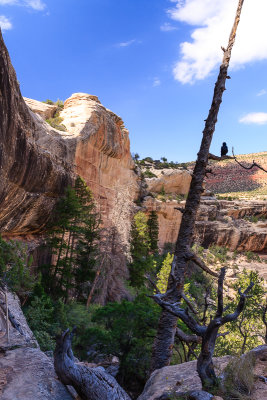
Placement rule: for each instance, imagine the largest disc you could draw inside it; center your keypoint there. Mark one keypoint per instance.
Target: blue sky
(153, 62)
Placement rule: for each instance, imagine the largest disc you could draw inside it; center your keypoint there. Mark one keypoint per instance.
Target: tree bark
(208, 333)
(162, 348)
(89, 383)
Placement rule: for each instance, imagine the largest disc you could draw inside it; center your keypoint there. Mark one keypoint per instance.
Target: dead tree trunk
(162, 348)
(90, 383)
(208, 333)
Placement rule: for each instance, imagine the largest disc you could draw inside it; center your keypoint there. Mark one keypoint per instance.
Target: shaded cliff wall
(30, 180)
(38, 162)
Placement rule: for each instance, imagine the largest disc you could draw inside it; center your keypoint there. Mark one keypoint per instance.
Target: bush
(238, 378)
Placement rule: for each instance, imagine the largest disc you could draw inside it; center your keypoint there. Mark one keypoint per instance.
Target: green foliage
(15, 267)
(244, 333)
(162, 191)
(220, 253)
(148, 159)
(55, 122)
(126, 330)
(252, 256)
(149, 174)
(153, 230)
(48, 101)
(163, 275)
(73, 241)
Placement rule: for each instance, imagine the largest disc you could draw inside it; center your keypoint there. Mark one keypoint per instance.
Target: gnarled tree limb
(254, 164)
(89, 383)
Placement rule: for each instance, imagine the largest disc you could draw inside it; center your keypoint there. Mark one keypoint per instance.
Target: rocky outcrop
(176, 379)
(38, 162)
(174, 181)
(169, 218)
(46, 111)
(222, 223)
(30, 178)
(168, 382)
(26, 373)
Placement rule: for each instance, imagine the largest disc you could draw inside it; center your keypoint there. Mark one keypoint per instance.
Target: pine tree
(153, 230)
(73, 241)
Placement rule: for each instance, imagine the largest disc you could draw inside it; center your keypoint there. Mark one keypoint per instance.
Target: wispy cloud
(126, 44)
(258, 118)
(261, 92)
(5, 23)
(156, 82)
(38, 5)
(211, 21)
(167, 27)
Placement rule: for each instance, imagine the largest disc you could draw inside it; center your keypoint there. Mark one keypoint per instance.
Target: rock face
(172, 181)
(219, 222)
(30, 178)
(176, 379)
(168, 217)
(37, 162)
(167, 382)
(222, 222)
(44, 110)
(26, 373)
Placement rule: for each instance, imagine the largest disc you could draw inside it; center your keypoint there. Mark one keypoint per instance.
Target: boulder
(26, 373)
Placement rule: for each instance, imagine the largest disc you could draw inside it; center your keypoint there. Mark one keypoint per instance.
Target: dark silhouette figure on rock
(224, 149)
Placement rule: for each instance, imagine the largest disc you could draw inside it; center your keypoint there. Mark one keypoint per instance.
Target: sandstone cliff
(37, 162)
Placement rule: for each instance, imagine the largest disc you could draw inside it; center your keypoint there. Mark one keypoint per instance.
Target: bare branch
(240, 306)
(190, 305)
(254, 164)
(150, 280)
(176, 310)
(220, 293)
(187, 338)
(200, 263)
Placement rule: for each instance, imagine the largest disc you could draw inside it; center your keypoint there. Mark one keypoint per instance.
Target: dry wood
(208, 333)
(90, 383)
(162, 348)
(254, 164)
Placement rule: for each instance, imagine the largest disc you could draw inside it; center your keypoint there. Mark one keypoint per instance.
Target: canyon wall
(37, 162)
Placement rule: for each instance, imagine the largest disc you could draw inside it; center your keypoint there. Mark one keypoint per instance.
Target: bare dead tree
(264, 320)
(162, 348)
(90, 383)
(208, 333)
(254, 164)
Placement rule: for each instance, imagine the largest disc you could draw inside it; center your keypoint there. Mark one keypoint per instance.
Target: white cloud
(126, 44)
(5, 23)
(167, 27)
(259, 118)
(38, 5)
(261, 92)
(156, 82)
(212, 21)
